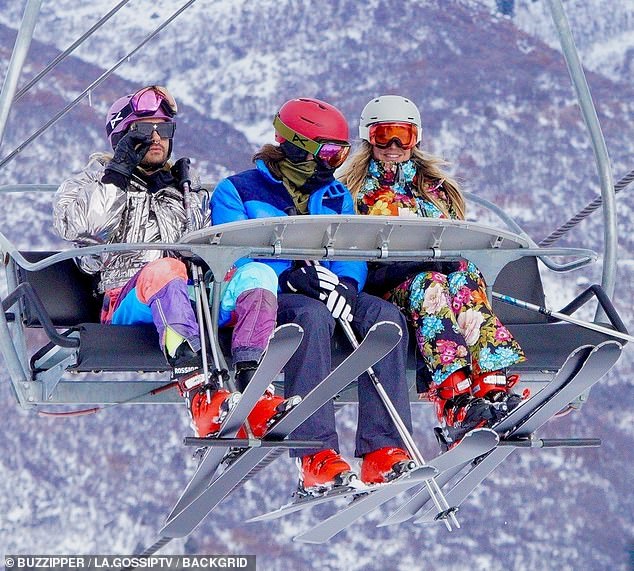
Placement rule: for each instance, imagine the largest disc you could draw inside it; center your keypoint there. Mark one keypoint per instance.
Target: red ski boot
(385, 464)
(207, 417)
(323, 471)
(458, 410)
(266, 412)
(269, 407)
(187, 371)
(495, 387)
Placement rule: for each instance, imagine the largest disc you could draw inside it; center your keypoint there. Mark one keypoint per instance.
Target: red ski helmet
(314, 119)
(151, 102)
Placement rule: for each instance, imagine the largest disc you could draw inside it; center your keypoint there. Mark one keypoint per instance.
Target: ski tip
(290, 328)
(386, 326)
(421, 473)
(480, 436)
(308, 539)
(264, 517)
(287, 331)
(484, 435)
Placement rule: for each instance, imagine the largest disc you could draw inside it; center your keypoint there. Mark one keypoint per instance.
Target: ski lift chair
(547, 342)
(62, 297)
(59, 296)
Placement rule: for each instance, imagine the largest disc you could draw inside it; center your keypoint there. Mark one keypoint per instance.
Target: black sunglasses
(164, 129)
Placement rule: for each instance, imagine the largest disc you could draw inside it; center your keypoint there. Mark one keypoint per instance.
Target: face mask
(322, 176)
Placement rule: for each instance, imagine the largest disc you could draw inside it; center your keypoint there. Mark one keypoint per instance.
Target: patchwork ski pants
(159, 294)
(156, 294)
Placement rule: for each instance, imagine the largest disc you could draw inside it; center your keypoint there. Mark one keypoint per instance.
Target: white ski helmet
(387, 108)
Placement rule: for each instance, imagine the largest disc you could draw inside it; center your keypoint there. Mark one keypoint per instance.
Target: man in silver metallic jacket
(135, 196)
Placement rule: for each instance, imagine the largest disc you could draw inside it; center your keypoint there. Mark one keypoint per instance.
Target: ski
(416, 475)
(474, 444)
(283, 343)
(600, 360)
(379, 341)
(571, 366)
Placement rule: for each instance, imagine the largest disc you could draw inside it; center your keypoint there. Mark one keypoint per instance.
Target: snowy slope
(496, 102)
(603, 31)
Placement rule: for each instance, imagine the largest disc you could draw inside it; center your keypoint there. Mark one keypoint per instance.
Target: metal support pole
(250, 443)
(20, 51)
(598, 145)
(552, 443)
(432, 486)
(11, 359)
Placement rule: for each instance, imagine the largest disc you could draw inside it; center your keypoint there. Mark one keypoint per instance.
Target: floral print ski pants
(454, 322)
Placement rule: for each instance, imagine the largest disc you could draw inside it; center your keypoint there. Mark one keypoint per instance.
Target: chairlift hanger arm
(20, 51)
(62, 56)
(10, 93)
(599, 147)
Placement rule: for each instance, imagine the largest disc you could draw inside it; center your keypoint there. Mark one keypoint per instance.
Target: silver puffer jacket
(88, 213)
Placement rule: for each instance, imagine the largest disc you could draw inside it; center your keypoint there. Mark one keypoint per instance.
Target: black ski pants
(312, 363)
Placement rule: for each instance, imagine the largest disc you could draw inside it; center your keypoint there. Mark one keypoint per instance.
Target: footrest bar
(251, 443)
(552, 443)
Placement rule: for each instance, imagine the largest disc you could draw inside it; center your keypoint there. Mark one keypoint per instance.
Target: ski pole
(562, 317)
(432, 486)
(185, 182)
(203, 314)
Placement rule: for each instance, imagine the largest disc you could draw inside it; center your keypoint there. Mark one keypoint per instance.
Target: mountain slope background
(496, 102)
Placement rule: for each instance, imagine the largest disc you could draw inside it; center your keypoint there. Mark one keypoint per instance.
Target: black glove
(128, 154)
(342, 300)
(313, 281)
(180, 172)
(318, 282)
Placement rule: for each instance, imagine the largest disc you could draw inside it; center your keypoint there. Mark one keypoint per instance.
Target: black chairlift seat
(546, 342)
(61, 299)
(69, 298)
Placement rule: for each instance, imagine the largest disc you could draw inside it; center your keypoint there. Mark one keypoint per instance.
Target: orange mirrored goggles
(382, 135)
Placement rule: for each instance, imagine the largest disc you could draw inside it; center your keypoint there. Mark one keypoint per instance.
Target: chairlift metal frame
(45, 379)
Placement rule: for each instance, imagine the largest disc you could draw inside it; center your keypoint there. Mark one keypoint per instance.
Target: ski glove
(320, 283)
(313, 281)
(342, 300)
(180, 172)
(128, 154)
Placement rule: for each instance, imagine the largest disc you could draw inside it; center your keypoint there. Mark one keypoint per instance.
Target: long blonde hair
(428, 168)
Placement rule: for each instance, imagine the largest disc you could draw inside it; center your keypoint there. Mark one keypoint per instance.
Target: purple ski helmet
(153, 102)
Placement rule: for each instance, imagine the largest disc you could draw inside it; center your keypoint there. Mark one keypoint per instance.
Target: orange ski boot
(385, 464)
(323, 471)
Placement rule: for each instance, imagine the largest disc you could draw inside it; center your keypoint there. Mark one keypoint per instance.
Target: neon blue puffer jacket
(256, 194)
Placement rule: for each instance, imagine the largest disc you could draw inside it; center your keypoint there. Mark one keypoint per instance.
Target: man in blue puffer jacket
(293, 178)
